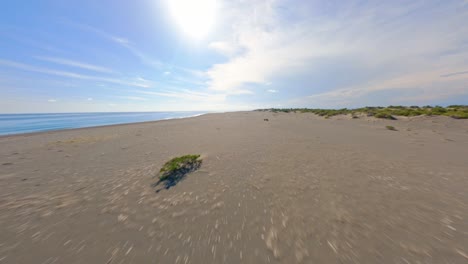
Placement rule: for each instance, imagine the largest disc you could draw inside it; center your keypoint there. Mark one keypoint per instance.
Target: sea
(11, 124)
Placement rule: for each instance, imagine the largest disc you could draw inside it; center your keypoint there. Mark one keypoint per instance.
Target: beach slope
(272, 188)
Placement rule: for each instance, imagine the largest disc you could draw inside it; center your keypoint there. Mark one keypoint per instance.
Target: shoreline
(336, 117)
(196, 115)
(99, 126)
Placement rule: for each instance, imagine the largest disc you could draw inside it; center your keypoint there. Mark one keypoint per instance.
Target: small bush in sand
(459, 116)
(384, 116)
(391, 128)
(177, 168)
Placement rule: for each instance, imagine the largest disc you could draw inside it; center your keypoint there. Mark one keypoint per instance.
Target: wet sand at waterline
(295, 189)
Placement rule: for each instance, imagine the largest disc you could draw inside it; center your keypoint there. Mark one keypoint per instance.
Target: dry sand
(295, 189)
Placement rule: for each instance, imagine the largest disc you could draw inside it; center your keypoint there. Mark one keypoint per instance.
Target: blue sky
(80, 56)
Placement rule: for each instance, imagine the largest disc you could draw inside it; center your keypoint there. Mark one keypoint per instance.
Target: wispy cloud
(134, 98)
(454, 73)
(27, 67)
(428, 96)
(142, 82)
(77, 64)
(20, 36)
(272, 91)
(428, 85)
(52, 100)
(121, 41)
(178, 73)
(137, 83)
(186, 95)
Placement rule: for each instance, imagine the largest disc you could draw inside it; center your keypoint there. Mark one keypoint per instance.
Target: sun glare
(195, 18)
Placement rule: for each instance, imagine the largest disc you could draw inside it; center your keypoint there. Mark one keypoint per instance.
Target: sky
(215, 55)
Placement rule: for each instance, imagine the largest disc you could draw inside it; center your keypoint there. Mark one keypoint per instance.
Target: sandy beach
(297, 188)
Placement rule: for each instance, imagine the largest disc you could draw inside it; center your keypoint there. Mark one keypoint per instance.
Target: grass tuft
(178, 164)
(391, 128)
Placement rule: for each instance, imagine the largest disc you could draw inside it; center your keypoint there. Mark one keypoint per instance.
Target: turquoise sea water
(26, 123)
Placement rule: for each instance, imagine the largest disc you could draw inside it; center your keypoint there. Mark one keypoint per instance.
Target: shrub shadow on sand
(176, 170)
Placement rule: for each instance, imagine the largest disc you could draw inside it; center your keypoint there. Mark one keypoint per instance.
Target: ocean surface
(26, 123)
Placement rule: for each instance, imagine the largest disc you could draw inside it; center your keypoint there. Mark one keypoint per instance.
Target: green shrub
(438, 110)
(458, 115)
(176, 169)
(397, 107)
(179, 165)
(384, 116)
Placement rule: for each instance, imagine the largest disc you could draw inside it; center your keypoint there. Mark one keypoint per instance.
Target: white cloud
(272, 91)
(267, 50)
(52, 100)
(380, 41)
(90, 99)
(77, 64)
(167, 73)
(224, 48)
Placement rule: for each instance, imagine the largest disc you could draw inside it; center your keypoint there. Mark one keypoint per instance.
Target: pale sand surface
(296, 189)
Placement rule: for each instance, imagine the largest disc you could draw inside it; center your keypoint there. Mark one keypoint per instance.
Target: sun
(194, 17)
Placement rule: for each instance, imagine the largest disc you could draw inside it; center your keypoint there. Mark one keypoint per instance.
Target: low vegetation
(384, 115)
(177, 168)
(390, 112)
(391, 128)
